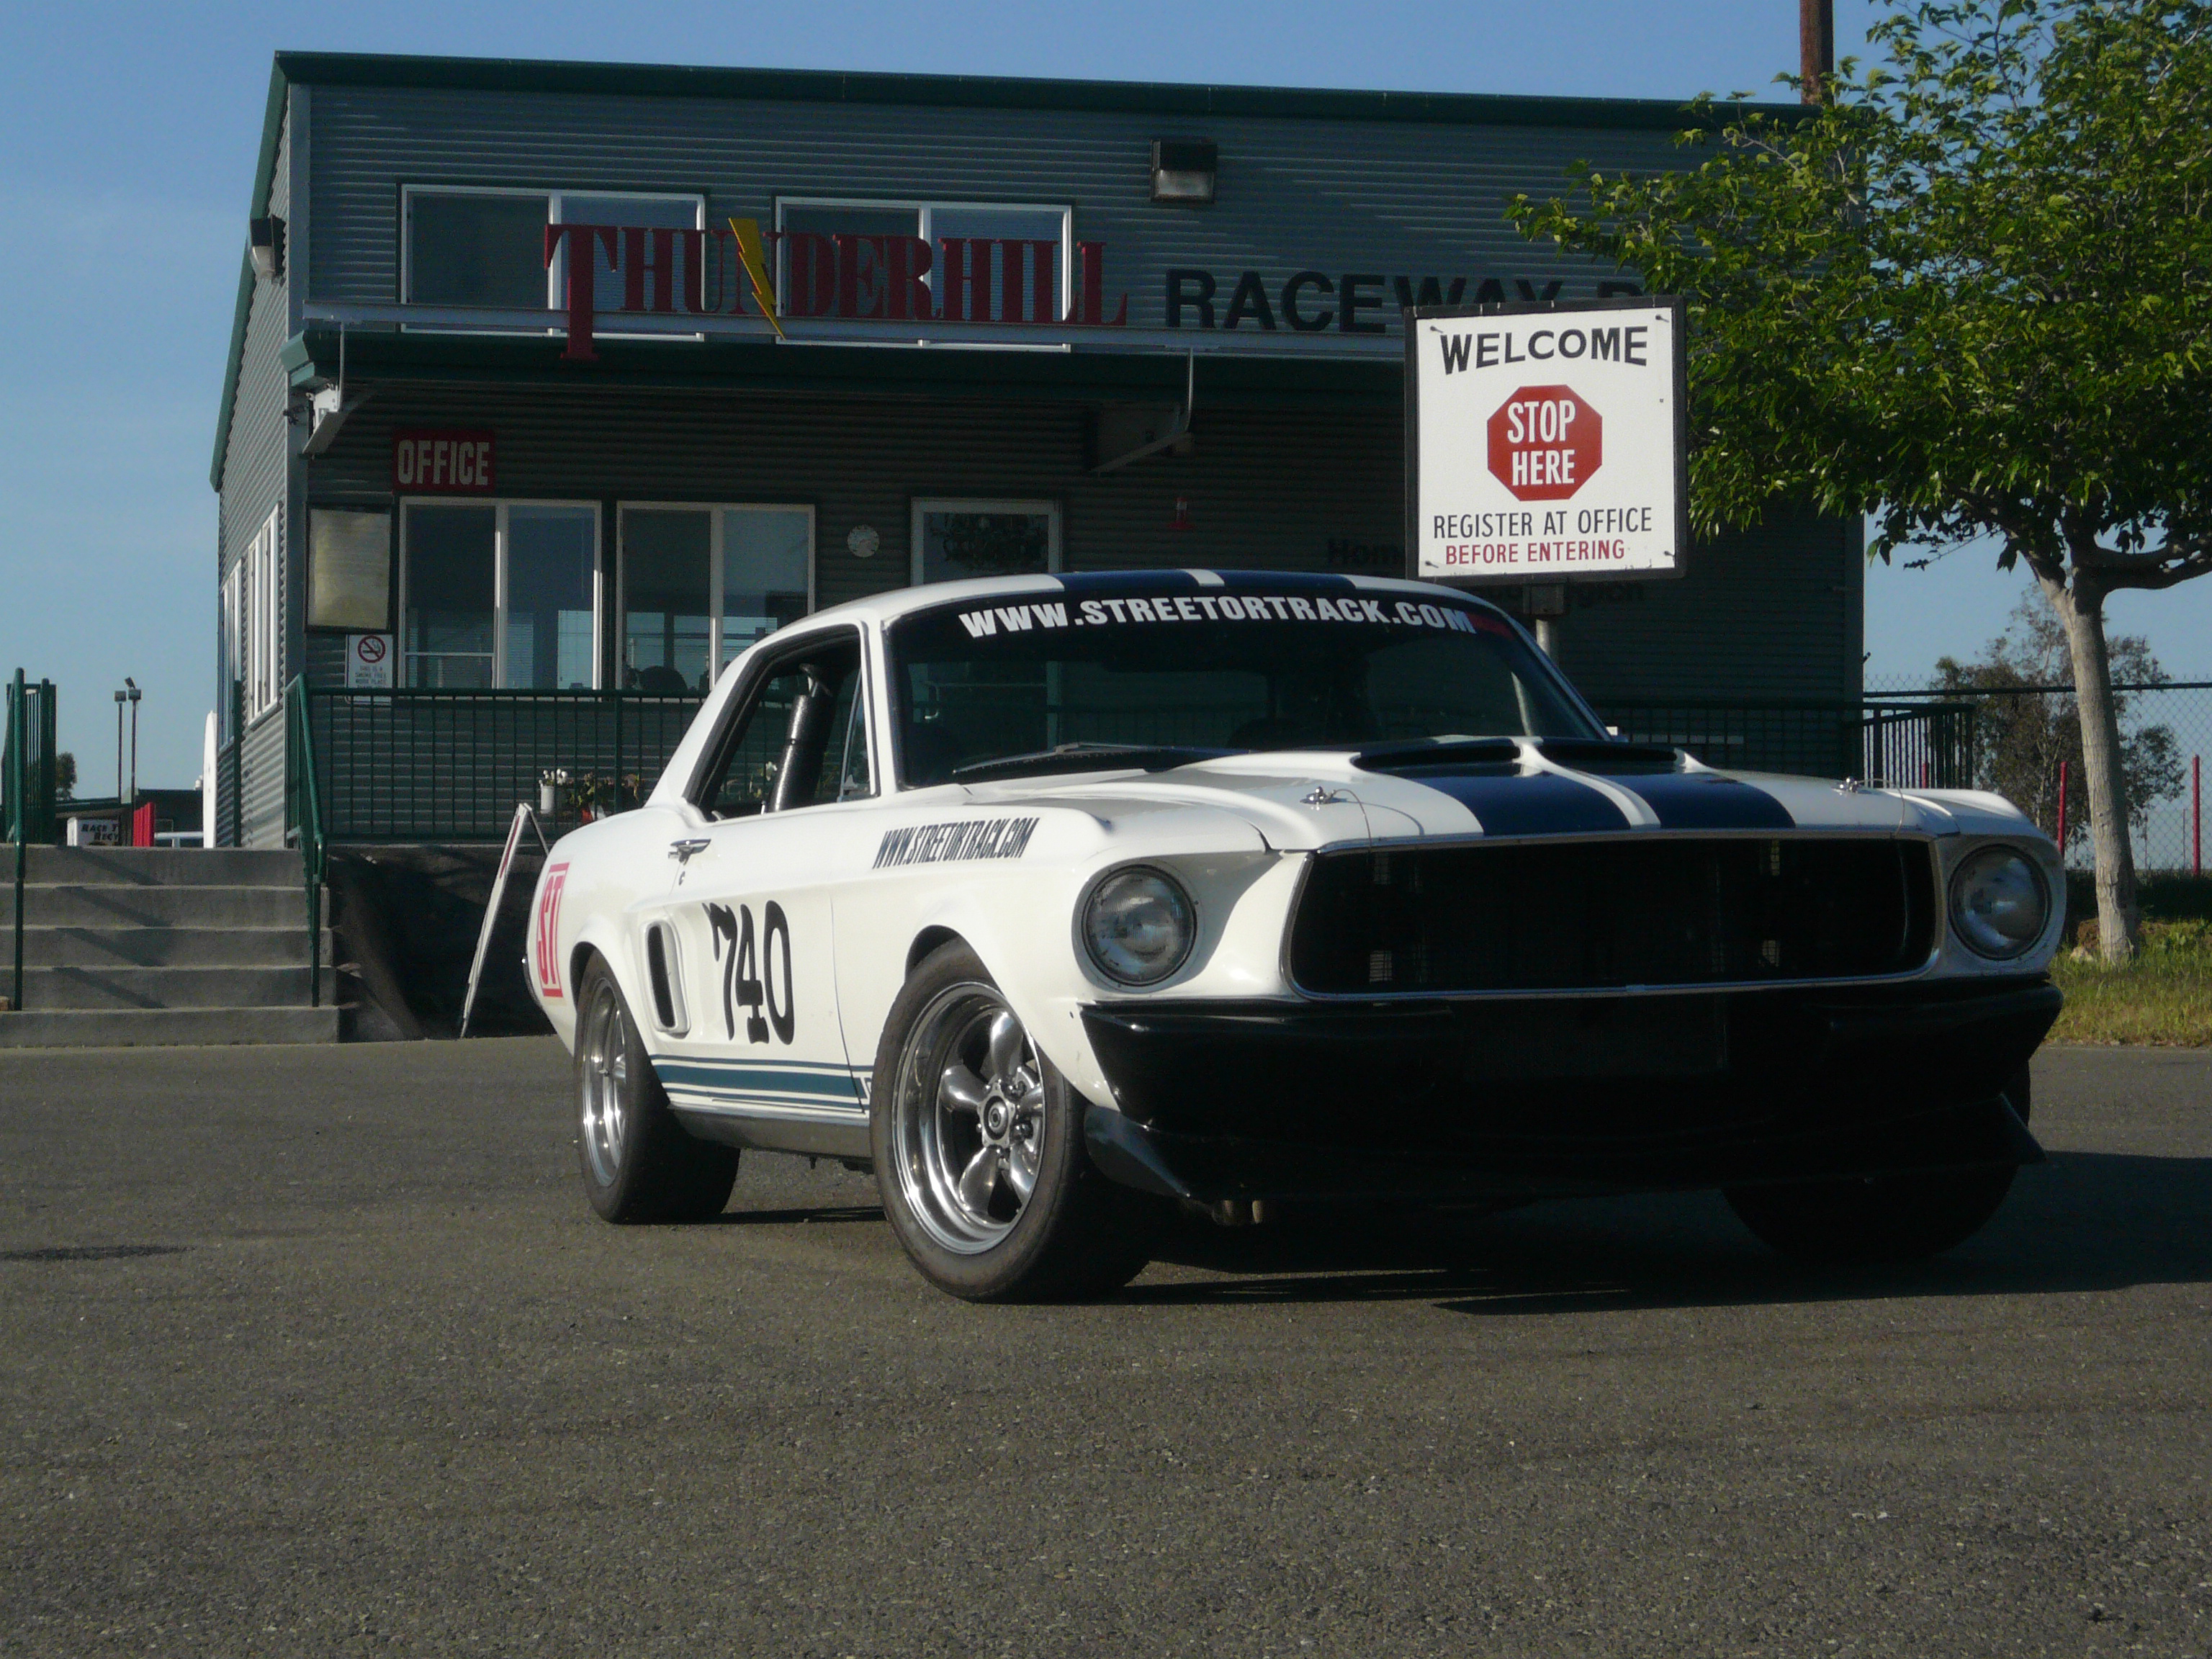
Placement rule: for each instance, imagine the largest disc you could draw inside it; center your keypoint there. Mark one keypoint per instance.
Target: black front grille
(1601, 915)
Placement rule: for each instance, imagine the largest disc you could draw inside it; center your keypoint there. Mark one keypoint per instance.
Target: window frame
(923, 208)
(262, 615)
(556, 271)
(715, 566)
(230, 642)
(920, 504)
(499, 583)
(745, 700)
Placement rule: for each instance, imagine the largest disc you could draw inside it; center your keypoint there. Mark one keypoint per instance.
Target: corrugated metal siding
(261, 782)
(1332, 196)
(256, 479)
(254, 471)
(1761, 615)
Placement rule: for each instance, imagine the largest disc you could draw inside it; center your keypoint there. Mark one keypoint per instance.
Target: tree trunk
(2119, 923)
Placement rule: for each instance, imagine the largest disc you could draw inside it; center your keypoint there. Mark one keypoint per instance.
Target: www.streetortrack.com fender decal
(948, 843)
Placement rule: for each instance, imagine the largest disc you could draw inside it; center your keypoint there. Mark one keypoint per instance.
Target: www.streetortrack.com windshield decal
(1222, 607)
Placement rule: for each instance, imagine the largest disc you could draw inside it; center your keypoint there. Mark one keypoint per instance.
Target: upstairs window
(854, 257)
(471, 246)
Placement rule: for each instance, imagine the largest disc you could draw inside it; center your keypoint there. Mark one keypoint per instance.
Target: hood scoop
(1502, 754)
(1496, 756)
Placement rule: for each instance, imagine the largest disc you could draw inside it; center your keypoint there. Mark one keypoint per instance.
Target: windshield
(1153, 677)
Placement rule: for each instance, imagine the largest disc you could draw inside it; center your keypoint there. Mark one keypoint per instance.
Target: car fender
(585, 903)
(1022, 923)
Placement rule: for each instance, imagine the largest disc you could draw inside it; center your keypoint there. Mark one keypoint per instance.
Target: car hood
(1310, 799)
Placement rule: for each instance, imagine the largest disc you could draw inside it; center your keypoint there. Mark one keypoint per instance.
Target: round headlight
(1138, 925)
(1999, 903)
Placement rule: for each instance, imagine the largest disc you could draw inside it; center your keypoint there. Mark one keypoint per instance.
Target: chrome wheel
(602, 1080)
(968, 1118)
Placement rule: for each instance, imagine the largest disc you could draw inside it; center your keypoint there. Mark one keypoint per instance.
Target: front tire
(979, 1152)
(1884, 1218)
(639, 1164)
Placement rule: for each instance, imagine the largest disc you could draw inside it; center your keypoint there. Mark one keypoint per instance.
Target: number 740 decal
(750, 972)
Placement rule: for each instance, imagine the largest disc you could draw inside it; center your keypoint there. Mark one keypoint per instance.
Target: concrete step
(61, 988)
(121, 906)
(155, 866)
(168, 947)
(105, 1027)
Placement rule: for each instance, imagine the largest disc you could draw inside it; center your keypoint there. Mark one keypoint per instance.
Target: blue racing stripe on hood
(1526, 803)
(1705, 801)
(1116, 583)
(1285, 581)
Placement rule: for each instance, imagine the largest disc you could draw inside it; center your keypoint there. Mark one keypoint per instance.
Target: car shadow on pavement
(796, 1217)
(2086, 1221)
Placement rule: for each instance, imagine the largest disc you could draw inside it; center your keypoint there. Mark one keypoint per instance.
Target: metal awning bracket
(1118, 426)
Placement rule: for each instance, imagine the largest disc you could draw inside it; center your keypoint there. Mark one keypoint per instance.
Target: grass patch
(2163, 996)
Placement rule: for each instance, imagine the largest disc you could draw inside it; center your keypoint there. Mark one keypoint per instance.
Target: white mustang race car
(1061, 900)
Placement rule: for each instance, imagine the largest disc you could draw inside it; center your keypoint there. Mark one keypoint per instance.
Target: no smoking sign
(368, 662)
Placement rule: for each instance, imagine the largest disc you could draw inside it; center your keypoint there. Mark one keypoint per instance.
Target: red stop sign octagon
(1545, 443)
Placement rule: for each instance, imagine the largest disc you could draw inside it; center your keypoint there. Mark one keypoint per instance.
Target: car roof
(1101, 583)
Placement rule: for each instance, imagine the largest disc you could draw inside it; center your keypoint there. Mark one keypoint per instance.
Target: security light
(1183, 169)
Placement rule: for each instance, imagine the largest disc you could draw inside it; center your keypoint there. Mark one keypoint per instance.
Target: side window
(801, 739)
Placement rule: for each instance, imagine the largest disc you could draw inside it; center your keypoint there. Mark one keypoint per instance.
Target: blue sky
(128, 134)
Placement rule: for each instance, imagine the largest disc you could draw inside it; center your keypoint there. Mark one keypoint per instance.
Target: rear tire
(979, 1151)
(1884, 1218)
(639, 1164)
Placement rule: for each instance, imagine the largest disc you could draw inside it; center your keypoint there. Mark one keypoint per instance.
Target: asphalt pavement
(320, 1351)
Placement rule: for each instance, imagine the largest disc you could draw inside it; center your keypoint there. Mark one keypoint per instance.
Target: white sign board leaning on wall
(1544, 443)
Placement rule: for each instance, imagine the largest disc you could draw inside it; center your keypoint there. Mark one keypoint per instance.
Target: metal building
(511, 458)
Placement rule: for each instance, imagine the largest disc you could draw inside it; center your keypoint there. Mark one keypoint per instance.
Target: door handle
(683, 850)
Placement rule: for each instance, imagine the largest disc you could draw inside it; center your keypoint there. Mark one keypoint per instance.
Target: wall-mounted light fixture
(266, 236)
(1183, 169)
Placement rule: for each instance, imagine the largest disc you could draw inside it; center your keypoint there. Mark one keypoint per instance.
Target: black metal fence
(1904, 745)
(440, 765)
(2025, 745)
(435, 765)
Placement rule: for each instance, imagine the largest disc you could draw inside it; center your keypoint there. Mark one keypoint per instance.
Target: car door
(739, 951)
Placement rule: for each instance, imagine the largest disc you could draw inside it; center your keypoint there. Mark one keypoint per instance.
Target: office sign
(429, 461)
(1544, 443)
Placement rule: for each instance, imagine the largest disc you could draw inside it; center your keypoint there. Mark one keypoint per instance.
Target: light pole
(133, 688)
(118, 748)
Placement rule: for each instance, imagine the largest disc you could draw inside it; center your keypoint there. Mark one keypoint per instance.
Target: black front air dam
(1527, 1096)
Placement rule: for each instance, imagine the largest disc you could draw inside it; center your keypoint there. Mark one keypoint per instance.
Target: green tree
(66, 776)
(1969, 292)
(2022, 739)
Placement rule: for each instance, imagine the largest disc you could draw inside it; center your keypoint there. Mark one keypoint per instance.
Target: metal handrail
(19, 816)
(304, 815)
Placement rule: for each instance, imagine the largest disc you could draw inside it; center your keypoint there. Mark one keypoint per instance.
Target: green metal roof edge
(984, 91)
(265, 174)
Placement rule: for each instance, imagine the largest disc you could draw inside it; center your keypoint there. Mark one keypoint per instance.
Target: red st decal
(545, 942)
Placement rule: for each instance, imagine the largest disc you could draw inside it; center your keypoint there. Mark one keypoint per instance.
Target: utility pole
(1816, 45)
(133, 686)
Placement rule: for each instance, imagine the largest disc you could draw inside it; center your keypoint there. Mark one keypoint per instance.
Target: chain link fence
(2027, 737)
